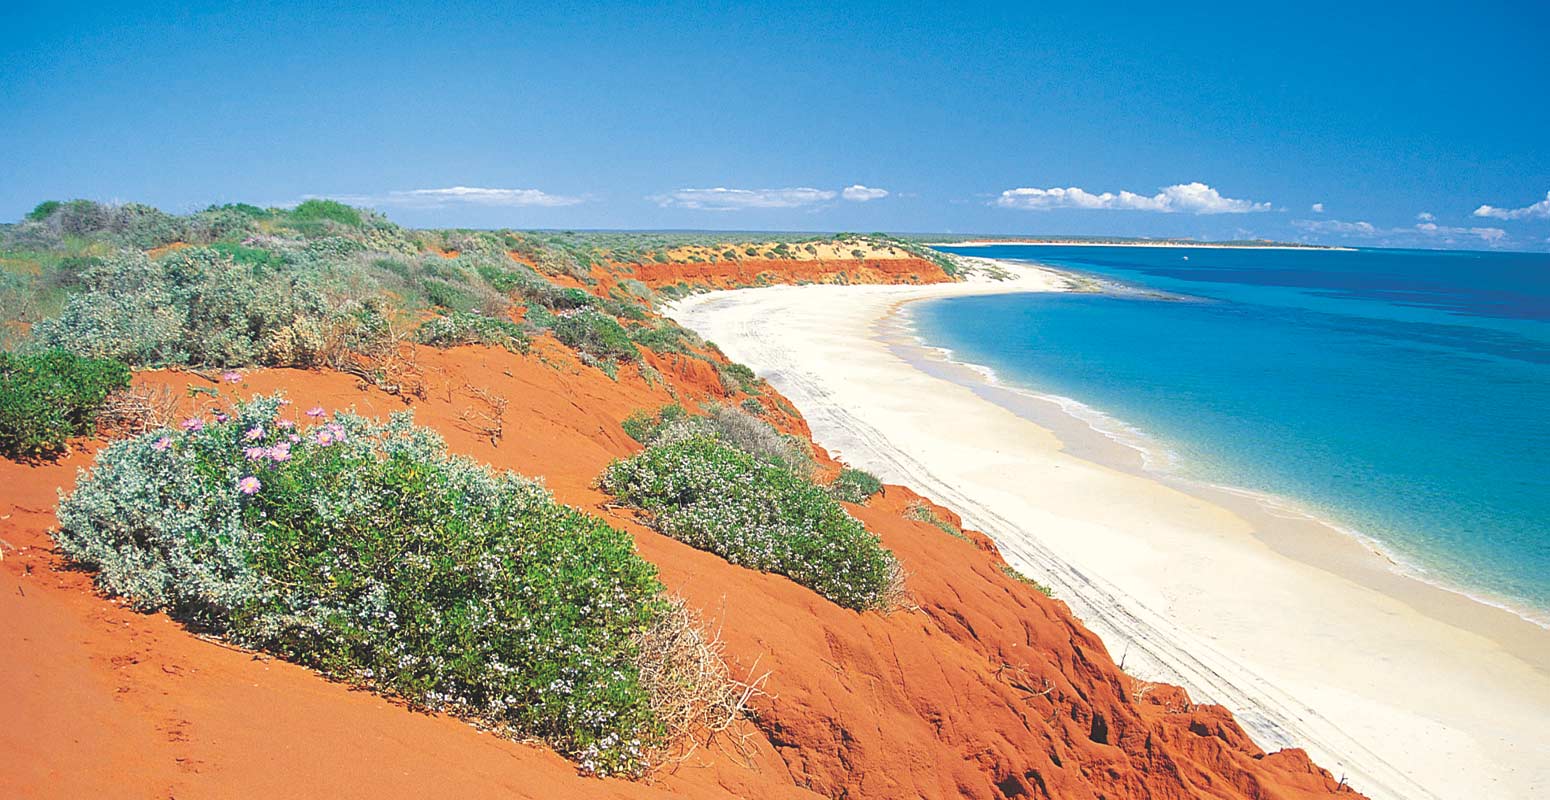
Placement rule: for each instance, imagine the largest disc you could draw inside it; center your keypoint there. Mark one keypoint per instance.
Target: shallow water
(1402, 394)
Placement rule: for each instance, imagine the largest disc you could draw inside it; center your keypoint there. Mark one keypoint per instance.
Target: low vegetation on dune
(726, 483)
(855, 486)
(364, 550)
(50, 396)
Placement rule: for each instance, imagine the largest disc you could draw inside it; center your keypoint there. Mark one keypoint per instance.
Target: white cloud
(1426, 216)
(724, 199)
(862, 194)
(1191, 198)
(1448, 233)
(1337, 227)
(458, 195)
(1421, 230)
(1539, 209)
(1318, 208)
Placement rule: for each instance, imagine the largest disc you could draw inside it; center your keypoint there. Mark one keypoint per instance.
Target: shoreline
(1085, 243)
(1310, 637)
(897, 329)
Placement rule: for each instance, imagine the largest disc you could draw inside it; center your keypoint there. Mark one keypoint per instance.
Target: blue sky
(1421, 124)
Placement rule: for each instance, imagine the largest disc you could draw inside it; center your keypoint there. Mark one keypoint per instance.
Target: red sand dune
(988, 690)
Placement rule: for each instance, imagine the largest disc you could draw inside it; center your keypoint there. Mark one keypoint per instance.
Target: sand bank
(1308, 636)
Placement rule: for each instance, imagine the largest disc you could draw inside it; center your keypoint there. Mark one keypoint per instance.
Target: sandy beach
(1307, 635)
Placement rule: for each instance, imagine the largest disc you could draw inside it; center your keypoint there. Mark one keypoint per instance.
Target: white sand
(1309, 638)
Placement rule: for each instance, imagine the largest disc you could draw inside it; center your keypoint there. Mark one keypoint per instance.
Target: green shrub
(855, 486)
(1007, 570)
(198, 307)
(920, 512)
(455, 328)
(758, 515)
(738, 377)
(596, 334)
(43, 210)
(643, 426)
(252, 256)
(368, 552)
(321, 210)
(665, 337)
(48, 397)
(742, 431)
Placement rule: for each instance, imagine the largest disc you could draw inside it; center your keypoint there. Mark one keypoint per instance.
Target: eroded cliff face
(986, 688)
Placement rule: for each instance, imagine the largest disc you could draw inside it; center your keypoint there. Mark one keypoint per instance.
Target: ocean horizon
(1400, 395)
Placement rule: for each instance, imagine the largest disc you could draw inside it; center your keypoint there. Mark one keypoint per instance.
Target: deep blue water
(1403, 394)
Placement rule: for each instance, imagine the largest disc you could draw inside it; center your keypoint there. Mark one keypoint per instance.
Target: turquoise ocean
(1402, 395)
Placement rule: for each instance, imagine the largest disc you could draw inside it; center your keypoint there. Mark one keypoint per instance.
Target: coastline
(1310, 637)
(1086, 243)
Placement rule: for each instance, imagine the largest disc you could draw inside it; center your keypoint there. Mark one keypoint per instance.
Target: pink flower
(231, 376)
(323, 437)
(254, 453)
(220, 417)
(337, 430)
(193, 424)
(280, 452)
(254, 433)
(294, 437)
(162, 444)
(249, 485)
(284, 424)
(316, 412)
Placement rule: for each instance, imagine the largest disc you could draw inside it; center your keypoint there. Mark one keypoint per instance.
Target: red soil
(989, 689)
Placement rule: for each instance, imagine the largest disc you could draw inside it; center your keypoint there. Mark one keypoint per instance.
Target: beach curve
(1311, 641)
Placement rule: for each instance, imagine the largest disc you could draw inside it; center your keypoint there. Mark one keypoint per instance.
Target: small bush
(743, 431)
(738, 377)
(597, 335)
(330, 210)
(48, 397)
(1007, 570)
(368, 552)
(758, 515)
(920, 512)
(662, 338)
(855, 486)
(643, 426)
(453, 329)
(43, 210)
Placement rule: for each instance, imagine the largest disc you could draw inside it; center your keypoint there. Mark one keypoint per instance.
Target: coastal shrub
(664, 337)
(456, 328)
(48, 397)
(366, 551)
(738, 377)
(1010, 572)
(716, 498)
(855, 486)
(643, 426)
(42, 210)
(740, 430)
(596, 334)
(920, 512)
(198, 307)
(312, 211)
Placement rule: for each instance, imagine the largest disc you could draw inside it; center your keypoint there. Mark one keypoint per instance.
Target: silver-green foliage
(756, 514)
(367, 551)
